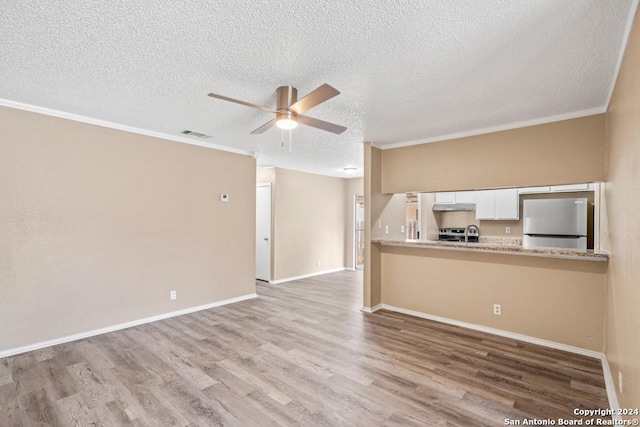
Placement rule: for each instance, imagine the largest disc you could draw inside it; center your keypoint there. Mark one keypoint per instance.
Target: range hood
(441, 207)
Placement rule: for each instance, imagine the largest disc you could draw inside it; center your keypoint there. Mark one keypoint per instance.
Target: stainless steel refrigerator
(555, 223)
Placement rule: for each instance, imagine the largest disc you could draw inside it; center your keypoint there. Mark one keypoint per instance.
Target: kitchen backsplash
(498, 228)
(456, 219)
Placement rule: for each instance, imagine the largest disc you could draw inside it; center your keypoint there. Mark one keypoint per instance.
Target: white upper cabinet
(448, 197)
(503, 204)
(485, 204)
(572, 187)
(455, 197)
(533, 190)
(497, 204)
(556, 188)
(507, 204)
(465, 196)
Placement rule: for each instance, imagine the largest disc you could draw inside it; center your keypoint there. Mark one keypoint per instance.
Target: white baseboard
(304, 276)
(499, 332)
(82, 335)
(611, 389)
(371, 309)
(608, 379)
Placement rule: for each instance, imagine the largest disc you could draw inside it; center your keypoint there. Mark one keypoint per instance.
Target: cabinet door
(533, 190)
(465, 196)
(572, 187)
(485, 201)
(447, 197)
(506, 204)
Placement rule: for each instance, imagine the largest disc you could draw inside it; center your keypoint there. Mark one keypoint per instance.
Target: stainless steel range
(457, 234)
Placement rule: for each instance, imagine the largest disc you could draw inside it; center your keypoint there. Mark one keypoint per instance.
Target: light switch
(386, 229)
(402, 228)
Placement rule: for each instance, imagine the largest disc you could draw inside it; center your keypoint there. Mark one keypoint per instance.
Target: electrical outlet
(386, 229)
(620, 381)
(507, 230)
(318, 262)
(172, 295)
(402, 228)
(497, 309)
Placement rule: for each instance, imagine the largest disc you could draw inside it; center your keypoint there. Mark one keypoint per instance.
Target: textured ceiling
(407, 70)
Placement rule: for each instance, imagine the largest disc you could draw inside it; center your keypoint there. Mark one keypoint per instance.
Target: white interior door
(263, 232)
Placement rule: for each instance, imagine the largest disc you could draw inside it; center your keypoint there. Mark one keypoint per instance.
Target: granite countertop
(500, 248)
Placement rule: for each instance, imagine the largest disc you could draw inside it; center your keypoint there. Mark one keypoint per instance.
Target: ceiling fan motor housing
(285, 97)
(287, 115)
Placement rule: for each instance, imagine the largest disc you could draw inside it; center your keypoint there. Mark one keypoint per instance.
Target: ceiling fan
(289, 108)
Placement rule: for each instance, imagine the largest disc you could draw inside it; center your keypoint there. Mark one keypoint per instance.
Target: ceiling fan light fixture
(286, 121)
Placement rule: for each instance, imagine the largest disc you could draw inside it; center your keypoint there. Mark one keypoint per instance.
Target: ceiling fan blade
(321, 124)
(247, 104)
(315, 97)
(265, 127)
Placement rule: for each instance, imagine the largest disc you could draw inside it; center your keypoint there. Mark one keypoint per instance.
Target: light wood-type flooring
(300, 354)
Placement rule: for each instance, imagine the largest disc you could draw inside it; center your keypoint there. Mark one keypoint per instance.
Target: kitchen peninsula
(554, 297)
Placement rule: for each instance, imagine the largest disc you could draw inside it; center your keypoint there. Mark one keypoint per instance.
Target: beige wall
(370, 173)
(537, 294)
(309, 223)
(622, 205)
(564, 152)
(374, 204)
(98, 225)
(392, 213)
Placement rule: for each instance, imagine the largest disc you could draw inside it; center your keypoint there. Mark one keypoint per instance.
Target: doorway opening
(412, 220)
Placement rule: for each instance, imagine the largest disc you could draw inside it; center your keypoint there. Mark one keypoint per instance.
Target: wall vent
(196, 134)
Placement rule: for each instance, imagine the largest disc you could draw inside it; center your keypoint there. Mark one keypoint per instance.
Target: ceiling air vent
(196, 134)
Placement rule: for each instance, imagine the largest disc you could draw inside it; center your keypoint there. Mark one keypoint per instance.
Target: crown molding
(509, 126)
(623, 48)
(103, 123)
